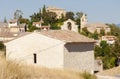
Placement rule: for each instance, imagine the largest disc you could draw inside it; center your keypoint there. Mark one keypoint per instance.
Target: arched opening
(69, 26)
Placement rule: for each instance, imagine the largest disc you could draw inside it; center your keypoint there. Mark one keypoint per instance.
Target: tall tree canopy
(70, 15)
(18, 14)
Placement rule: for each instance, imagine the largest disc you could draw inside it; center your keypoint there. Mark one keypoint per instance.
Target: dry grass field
(11, 70)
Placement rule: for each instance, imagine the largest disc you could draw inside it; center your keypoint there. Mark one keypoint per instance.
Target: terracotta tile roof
(13, 20)
(38, 22)
(14, 35)
(67, 36)
(99, 25)
(93, 26)
(2, 24)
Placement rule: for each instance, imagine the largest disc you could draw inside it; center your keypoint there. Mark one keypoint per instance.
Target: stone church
(71, 25)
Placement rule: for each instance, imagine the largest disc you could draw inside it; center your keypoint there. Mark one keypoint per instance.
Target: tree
(70, 15)
(5, 20)
(50, 18)
(44, 10)
(1, 45)
(116, 48)
(102, 32)
(78, 17)
(85, 31)
(104, 51)
(95, 35)
(23, 20)
(115, 30)
(18, 14)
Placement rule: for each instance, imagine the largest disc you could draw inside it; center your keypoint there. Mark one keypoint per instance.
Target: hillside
(11, 70)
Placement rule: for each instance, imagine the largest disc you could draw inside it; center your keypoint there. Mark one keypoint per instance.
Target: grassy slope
(11, 70)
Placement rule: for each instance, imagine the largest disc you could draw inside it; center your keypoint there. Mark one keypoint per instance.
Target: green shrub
(1, 45)
(87, 75)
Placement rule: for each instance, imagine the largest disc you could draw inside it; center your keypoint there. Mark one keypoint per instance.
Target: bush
(87, 75)
(1, 45)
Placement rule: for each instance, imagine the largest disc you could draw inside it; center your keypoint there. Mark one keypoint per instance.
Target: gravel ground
(111, 72)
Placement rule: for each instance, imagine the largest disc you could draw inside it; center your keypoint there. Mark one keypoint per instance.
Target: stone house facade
(109, 39)
(97, 27)
(59, 12)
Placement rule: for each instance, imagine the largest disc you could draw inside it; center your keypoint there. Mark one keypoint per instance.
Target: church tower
(83, 22)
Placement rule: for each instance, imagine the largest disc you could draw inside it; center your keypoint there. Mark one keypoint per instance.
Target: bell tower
(83, 22)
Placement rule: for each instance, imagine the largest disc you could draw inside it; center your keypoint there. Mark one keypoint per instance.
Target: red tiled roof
(38, 22)
(13, 20)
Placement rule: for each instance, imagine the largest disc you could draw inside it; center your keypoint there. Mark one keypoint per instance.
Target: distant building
(45, 27)
(13, 23)
(7, 36)
(109, 39)
(53, 49)
(92, 27)
(83, 21)
(15, 26)
(97, 27)
(58, 11)
(39, 25)
(11, 29)
(69, 25)
(2, 24)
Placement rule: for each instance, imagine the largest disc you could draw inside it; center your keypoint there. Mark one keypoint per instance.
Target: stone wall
(79, 57)
(2, 54)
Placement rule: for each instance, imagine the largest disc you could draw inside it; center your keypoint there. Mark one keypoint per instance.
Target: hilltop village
(54, 38)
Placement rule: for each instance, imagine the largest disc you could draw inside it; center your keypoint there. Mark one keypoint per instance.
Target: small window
(35, 58)
(69, 26)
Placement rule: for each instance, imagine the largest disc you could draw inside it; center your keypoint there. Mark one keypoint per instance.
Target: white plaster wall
(12, 24)
(49, 51)
(37, 25)
(65, 26)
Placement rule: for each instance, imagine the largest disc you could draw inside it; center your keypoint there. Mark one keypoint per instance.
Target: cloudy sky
(106, 11)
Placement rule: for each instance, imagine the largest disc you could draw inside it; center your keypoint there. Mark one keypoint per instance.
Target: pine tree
(5, 20)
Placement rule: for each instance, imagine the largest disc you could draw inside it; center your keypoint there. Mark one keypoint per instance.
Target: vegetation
(109, 53)
(115, 30)
(17, 14)
(12, 70)
(94, 35)
(2, 45)
(87, 75)
(50, 18)
(70, 15)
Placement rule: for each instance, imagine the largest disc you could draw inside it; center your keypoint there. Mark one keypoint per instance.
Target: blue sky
(106, 11)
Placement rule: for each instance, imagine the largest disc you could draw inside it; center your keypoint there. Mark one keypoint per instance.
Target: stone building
(97, 27)
(53, 49)
(58, 11)
(83, 21)
(70, 25)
